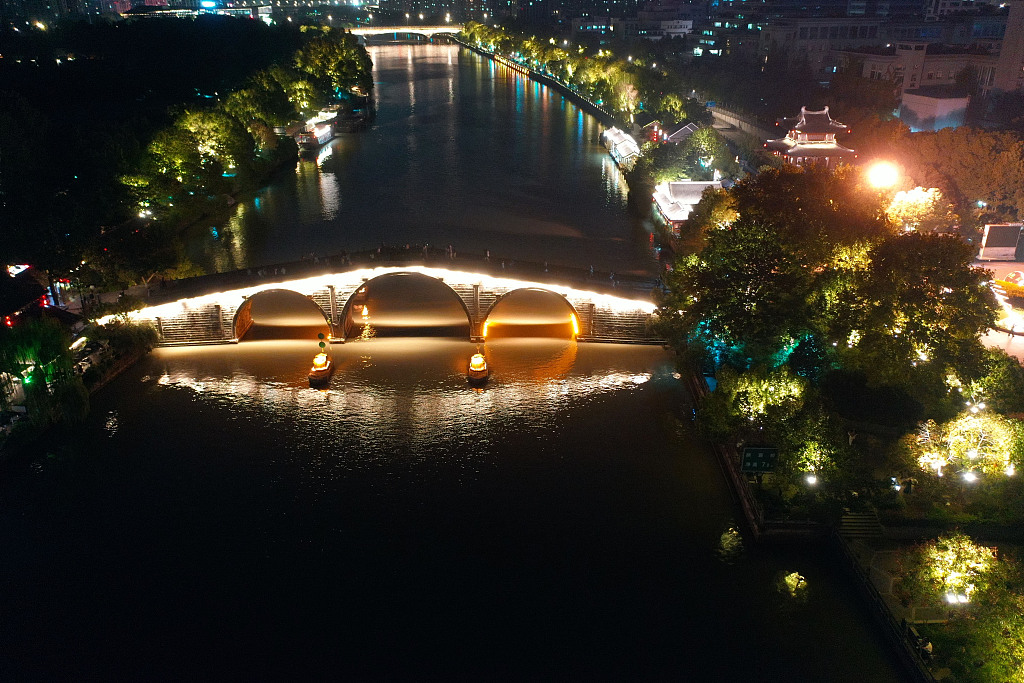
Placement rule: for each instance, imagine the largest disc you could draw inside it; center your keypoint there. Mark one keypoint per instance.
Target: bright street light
(883, 174)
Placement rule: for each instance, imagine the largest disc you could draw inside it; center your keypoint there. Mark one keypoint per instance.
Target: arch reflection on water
(413, 387)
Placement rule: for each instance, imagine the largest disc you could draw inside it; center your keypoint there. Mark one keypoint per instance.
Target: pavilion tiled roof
(676, 200)
(811, 149)
(813, 122)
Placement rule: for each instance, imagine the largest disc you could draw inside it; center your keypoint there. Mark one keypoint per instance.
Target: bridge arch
(405, 303)
(531, 312)
(296, 313)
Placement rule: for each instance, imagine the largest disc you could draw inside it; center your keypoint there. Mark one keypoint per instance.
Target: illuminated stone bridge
(397, 300)
(428, 31)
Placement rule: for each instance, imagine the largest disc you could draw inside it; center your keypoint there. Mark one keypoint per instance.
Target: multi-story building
(1009, 72)
(911, 65)
(814, 40)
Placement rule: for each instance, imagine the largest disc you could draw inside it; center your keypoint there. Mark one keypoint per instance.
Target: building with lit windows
(911, 65)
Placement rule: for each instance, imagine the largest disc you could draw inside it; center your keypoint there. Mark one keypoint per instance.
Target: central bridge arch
(405, 304)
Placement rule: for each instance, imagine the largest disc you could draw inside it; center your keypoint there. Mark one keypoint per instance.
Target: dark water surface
(463, 152)
(218, 519)
(222, 519)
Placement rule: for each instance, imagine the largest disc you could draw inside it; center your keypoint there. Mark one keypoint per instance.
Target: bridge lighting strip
(234, 297)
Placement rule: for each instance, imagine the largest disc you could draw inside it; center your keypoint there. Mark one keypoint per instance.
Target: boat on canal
(319, 130)
(478, 373)
(320, 373)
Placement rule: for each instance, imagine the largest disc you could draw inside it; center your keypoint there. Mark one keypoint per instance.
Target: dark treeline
(80, 103)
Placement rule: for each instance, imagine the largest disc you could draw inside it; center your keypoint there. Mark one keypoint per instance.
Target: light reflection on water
(409, 395)
(460, 153)
(400, 522)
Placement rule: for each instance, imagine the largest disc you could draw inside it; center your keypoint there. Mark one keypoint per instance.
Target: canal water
(216, 518)
(464, 152)
(219, 517)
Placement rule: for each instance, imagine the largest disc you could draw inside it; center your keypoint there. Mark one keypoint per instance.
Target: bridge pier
(334, 315)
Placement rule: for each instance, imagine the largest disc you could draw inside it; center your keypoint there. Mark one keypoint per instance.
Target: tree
(746, 292)
(264, 99)
(952, 564)
(969, 166)
(671, 107)
(980, 442)
(337, 63)
(983, 640)
(37, 351)
(782, 270)
(716, 209)
(921, 209)
(926, 305)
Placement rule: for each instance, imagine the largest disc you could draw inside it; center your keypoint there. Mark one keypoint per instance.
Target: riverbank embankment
(856, 557)
(563, 89)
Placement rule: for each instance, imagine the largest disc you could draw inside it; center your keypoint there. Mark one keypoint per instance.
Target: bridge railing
(600, 281)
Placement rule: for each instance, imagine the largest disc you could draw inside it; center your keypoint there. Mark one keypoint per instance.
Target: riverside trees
(219, 149)
(158, 121)
(810, 290)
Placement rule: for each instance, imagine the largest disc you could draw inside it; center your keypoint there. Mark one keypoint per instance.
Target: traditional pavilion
(811, 139)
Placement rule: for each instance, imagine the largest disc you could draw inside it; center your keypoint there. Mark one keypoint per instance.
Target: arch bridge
(428, 31)
(410, 299)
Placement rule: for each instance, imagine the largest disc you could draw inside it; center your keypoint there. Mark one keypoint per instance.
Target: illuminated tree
(218, 137)
(969, 165)
(950, 569)
(791, 260)
(715, 210)
(921, 209)
(974, 442)
(337, 63)
(672, 108)
(983, 589)
(264, 99)
(925, 306)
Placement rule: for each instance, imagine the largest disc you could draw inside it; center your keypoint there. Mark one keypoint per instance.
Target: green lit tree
(37, 351)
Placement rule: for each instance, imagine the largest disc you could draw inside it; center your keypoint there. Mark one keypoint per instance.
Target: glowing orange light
(883, 174)
(477, 363)
(320, 361)
(575, 324)
(483, 333)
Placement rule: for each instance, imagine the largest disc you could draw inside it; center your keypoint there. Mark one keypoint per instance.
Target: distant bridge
(428, 31)
(219, 308)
